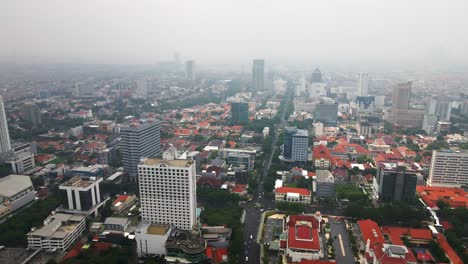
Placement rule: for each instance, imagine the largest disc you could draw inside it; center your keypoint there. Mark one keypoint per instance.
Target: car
(251, 236)
(261, 210)
(246, 259)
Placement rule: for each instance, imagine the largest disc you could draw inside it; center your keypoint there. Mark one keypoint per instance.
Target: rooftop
(301, 191)
(170, 163)
(79, 182)
(394, 166)
(58, 225)
(157, 229)
(13, 184)
(303, 232)
(370, 230)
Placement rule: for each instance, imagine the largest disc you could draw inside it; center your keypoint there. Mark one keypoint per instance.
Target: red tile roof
(454, 197)
(301, 191)
(370, 230)
(120, 198)
(298, 227)
(322, 152)
(452, 255)
(221, 255)
(238, 188)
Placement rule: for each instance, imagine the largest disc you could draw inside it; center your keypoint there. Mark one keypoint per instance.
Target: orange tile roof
(301, 191)
(454, 197)
(452, 255)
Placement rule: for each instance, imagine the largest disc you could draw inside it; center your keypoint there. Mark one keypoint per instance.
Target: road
(341, 242)
(251, 252)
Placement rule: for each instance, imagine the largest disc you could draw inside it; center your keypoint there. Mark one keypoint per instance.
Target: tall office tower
(138, 140)
(397, 181)
(190, 70)
(168, 192)
(401, 96)
(443, 108)
(363, 84)
(84, 90)
(326, 113)
(316, 76)
(258, 71)
(296, 144)
(4, 134)
(402, 114)
(142, 87)
(448, 168)
(32, 113)
(239, 112)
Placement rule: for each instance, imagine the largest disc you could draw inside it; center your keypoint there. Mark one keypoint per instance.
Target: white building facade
(168, 192)
(448, 168)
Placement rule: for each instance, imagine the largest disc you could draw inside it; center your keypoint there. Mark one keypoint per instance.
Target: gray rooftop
(122, 221)
(13, 184)
(58, 225)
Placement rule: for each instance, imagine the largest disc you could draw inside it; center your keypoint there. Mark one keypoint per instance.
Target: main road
(251, 252)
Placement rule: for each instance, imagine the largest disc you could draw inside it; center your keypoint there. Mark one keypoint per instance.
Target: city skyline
(392, 32)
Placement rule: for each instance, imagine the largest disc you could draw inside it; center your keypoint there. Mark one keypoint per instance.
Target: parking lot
(273, 229)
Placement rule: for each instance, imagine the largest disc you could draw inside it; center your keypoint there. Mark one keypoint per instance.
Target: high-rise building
(402, 114)
(258, 71)
(326, 113)
(190, 70)
(440, 107)
(296, 144)
(142, 87)
(448, 168)
(363, 84)
(429, 123)
(239, 112)
(168, 192)
(32, 113)
(401, 95)
(396, 181)
(316, 76)
(138, 140)
(5, 144)
(84, 90)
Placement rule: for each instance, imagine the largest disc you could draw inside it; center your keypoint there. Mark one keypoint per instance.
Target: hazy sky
(234, 31)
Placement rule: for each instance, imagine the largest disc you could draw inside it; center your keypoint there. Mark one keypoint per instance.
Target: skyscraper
(363, 84)
(32, 113)
(4, 134)
(402, 114)
(316, 76)
(443, 108)
(138, 140)
(190, 70)
(239, 112)
(296, 144)
(168, 192)
(448, 168)
(401, 96)
(258, 71)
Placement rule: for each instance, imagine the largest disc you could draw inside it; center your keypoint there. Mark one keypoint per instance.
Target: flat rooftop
(171, 163)
(157, 229)
(13, 184)
(393, 166)
(78, 182)
(58, 225)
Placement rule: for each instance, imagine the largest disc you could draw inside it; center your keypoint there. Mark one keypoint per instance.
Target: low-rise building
(123, 202)
(59, 232)
(303, 240)
(292, 195)
(216, 236)
(151, 238)
(321, 157)
(15, 192)
(119, 224)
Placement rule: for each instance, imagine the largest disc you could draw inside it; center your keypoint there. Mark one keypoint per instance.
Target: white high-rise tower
(363, 84)
(5, 145)
(168, 193)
